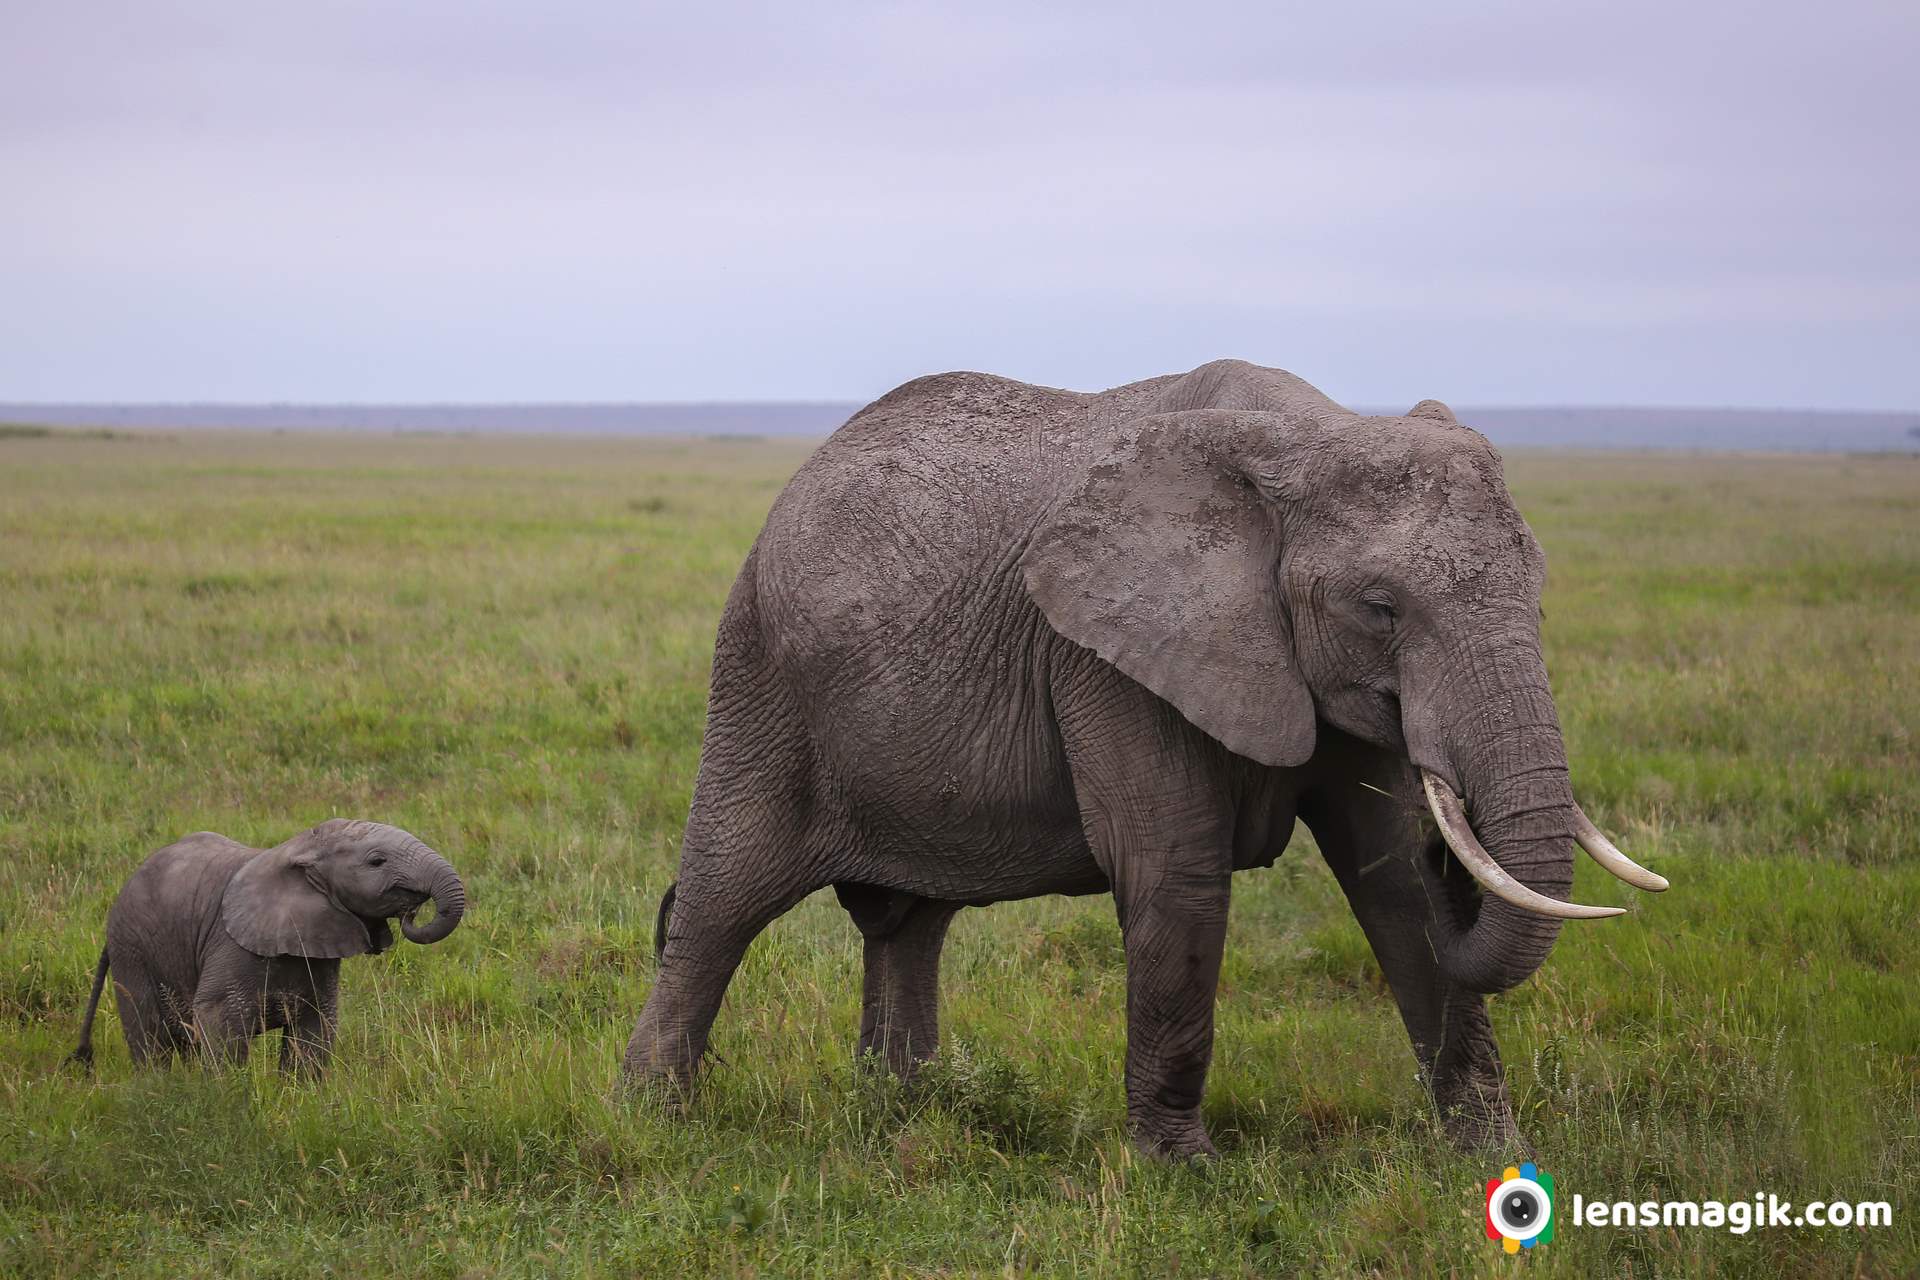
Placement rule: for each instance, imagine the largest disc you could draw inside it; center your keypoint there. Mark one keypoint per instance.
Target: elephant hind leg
(752, 850)
(715, 918)
(759, 838)
(153, 1017)
(900, 993)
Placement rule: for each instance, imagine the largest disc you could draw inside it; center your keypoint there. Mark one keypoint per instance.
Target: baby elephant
(212, 943)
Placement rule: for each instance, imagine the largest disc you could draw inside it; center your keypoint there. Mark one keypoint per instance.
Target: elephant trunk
(1511, 763)
(449, 900)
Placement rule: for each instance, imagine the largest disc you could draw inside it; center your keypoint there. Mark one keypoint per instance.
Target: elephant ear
(274, 906)
(1164, 560)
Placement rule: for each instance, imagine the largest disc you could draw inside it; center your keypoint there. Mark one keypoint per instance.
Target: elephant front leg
(1461, 1065)
(306, 1046)
(306, 1042)
(1156, 808)
(223, 1029)
(1175, 929)
(1366, 821)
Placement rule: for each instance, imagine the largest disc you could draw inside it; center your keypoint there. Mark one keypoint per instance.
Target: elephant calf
(212, 942)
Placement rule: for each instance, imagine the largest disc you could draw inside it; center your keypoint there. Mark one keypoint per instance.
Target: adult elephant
(999, 640)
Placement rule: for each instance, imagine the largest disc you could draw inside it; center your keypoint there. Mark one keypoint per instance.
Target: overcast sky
(475, 200)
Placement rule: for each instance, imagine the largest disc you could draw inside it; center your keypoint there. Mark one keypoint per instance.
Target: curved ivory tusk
(1491, 875)
(1601, 850)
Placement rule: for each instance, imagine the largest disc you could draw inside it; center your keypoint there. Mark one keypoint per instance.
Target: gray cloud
(1505, 202)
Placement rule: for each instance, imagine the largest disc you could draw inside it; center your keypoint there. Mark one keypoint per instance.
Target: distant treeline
(1555, 426)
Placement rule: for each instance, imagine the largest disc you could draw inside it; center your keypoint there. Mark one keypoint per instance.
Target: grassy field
(502, 645)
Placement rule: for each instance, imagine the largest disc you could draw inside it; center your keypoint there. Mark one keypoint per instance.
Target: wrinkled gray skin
(212, 943)
(999, 640)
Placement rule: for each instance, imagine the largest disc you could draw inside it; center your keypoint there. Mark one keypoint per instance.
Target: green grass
(503, 645)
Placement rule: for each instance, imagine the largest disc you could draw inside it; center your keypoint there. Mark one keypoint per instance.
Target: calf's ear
(277, 905)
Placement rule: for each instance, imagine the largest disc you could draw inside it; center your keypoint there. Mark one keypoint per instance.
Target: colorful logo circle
(1520, 1207)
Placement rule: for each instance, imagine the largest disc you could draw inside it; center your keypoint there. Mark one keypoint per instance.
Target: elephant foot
(648, 1074)
(1483, 1132)
(1179, 1150)
(664, 1053)
(1174, 1138)
(902, 1067)
(670, 1091)
(1476, 1113)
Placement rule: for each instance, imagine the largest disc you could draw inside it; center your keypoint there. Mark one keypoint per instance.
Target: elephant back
(919, 497)
(169, 910)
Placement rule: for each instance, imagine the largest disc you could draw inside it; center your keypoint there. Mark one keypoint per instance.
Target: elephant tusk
(1602, 851)
(1491, 875)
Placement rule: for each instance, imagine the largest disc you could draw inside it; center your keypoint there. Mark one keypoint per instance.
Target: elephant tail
(659, 921)
(83, 1052)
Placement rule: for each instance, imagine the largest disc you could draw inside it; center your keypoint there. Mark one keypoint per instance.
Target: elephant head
(329, 892)
(1281, 563)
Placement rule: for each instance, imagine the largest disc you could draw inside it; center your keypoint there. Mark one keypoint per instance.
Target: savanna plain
(502, 644)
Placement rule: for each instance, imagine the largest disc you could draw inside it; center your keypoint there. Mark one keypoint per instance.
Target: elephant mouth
(400, 904)
(403, 903)
(379, 934)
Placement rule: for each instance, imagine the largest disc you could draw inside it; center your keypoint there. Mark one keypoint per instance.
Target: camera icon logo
(1520, 1208)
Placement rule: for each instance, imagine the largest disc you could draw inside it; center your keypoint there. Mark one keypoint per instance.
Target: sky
(493, 200)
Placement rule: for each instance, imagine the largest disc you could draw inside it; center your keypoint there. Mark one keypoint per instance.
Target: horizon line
(835, 403)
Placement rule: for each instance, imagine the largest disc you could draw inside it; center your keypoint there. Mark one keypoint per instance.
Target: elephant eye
(377, 860)
(1380, 606)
